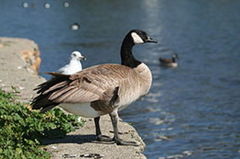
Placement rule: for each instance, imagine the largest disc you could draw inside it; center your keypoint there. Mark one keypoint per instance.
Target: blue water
(192, 111)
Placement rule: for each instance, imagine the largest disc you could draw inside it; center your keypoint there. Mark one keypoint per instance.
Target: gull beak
(83, 58)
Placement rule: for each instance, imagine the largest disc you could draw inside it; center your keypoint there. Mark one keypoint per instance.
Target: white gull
(74, 65)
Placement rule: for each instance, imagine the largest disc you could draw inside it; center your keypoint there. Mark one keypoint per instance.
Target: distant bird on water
(172, 62)
(74, 65)
(66, 4)
(47, 5)
(75, 26)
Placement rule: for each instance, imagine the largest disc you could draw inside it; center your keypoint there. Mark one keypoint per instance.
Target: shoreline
(20, 60)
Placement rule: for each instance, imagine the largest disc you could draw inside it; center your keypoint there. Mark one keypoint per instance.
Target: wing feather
(86, 86)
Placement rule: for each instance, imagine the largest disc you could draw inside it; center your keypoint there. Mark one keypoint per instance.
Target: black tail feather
(42, 101)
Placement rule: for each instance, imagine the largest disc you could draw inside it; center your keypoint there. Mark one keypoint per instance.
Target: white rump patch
(82, 109)
(136, 38)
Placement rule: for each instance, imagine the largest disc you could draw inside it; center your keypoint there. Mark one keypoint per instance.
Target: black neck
(126, 53)
(173, 59)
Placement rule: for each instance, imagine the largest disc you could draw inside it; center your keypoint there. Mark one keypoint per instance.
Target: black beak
(83, 58)
(150, 40)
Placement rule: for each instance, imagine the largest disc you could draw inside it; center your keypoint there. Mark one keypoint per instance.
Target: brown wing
(85, 86)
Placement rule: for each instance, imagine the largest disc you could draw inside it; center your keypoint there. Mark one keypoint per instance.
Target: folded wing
(89, 85)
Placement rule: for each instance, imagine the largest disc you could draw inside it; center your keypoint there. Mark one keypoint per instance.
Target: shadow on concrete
(78, 139)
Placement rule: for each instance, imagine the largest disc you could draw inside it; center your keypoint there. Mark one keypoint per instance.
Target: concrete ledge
(82, 142)
(14, 71)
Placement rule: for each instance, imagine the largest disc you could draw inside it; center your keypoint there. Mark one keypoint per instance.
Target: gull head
(77, 56)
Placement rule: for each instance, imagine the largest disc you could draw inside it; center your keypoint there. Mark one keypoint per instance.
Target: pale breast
(137, 85)
(145, 78)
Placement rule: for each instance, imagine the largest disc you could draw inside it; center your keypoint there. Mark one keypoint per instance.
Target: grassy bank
(21, 129)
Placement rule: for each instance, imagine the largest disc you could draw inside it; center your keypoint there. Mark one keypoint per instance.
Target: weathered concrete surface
(82, 142)
(15, 72)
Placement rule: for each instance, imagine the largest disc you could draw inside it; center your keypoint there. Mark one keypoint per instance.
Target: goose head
(133, 37)
(174, 57)
(76, 55)
(139, 37)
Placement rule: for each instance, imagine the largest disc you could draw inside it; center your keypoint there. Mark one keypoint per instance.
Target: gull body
(74, 65)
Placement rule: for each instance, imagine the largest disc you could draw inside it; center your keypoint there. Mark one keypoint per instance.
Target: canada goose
(74, 65)
(100, 89)
(169, 62)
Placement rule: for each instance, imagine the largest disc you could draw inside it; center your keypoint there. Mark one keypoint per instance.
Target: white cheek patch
(136, 38)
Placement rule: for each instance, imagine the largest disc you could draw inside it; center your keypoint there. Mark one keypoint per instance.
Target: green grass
(21, 129)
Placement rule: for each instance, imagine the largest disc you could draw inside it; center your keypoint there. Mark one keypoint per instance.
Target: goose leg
(118, 141)
(99, 135)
